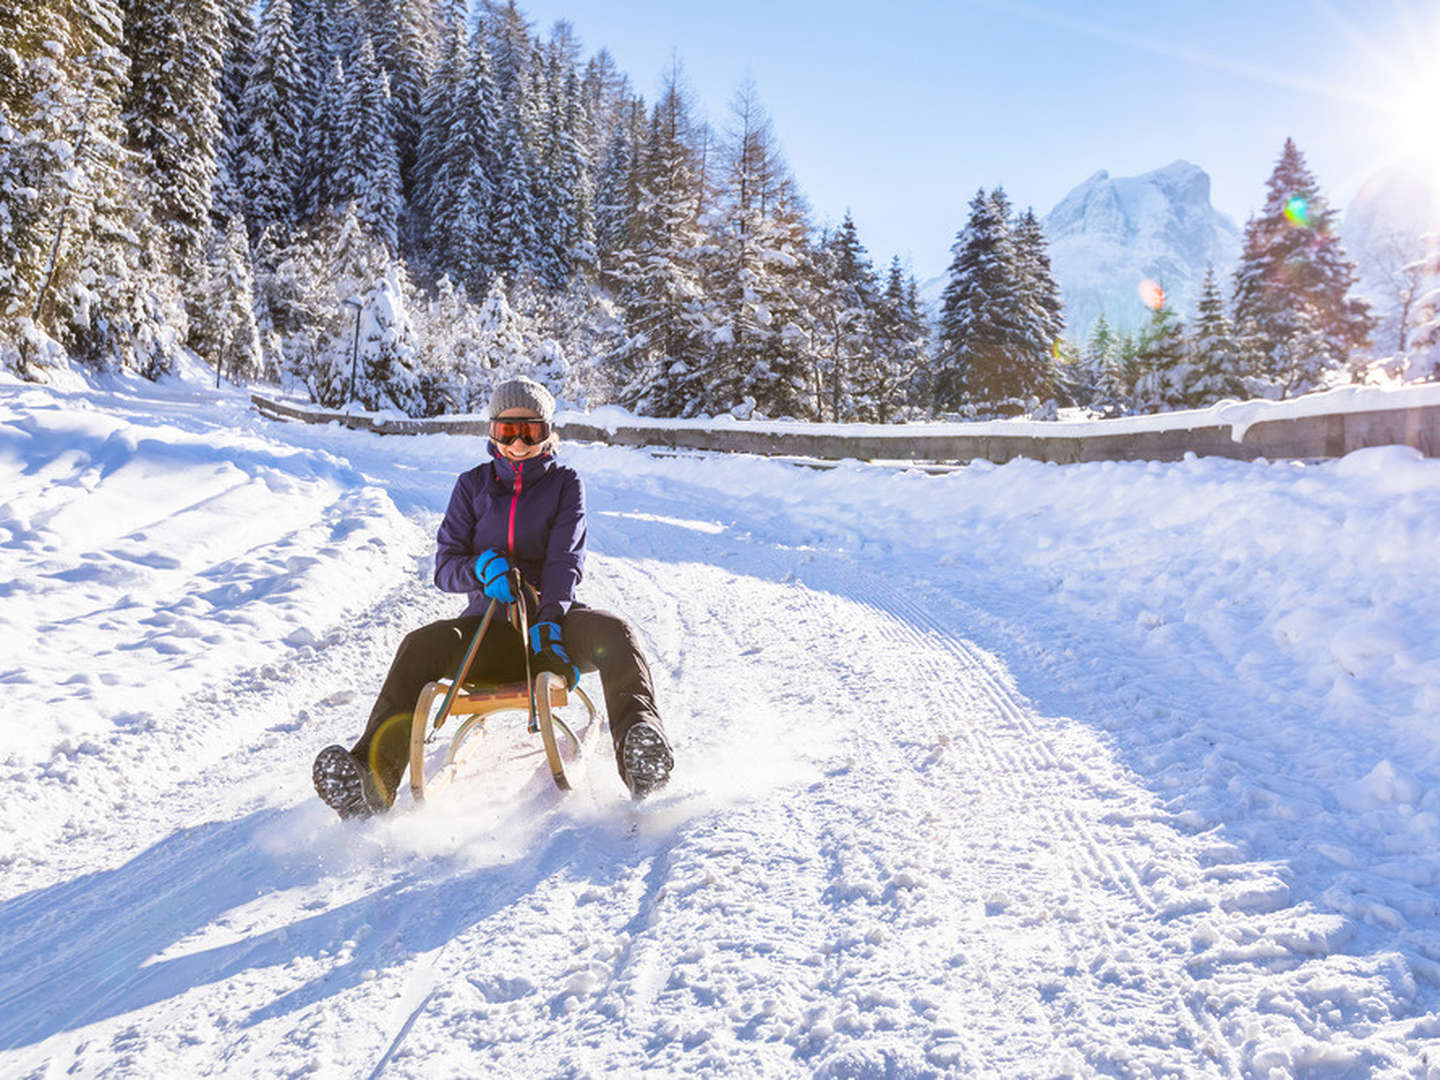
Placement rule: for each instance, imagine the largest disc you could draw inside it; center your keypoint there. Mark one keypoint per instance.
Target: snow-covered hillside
(1111, 233)
(1113, 769)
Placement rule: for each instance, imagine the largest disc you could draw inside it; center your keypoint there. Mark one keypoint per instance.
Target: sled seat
(477, 702)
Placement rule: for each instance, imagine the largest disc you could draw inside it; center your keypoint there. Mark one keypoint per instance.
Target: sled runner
(478, 702)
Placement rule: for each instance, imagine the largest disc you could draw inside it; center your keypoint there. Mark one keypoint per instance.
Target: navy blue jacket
(534, 512)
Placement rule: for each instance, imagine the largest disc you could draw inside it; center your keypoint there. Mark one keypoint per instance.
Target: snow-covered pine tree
(404, 35)
(541, 106)
(1041, 329)
(510, 45)
(570, 216)
(79, 262)
(44, 91)
(1097, 356)
(323, 186)
(760, 305)
(455, 179)
(322, 134)
(899, 344)
(237, 56)
(224, 329)
(300, 291)
(502, 340)
(291, 314)
(373, 173)
(172, 123)
(514, 230)
(315, 43)
(543, 359)
(308, 294)
(778, 381)
(348, 27)
(1071, 385)
(585, 330)
(850, 369)
(584, 252)
(1293, 283)
(1161, 362)
(605, 91)
(389, 375)
(547, 90)
(617, 187)
(1128, 369)
(434, 175)
(271, 144)
(1423, 321)
(976, 332)
(658, 270)
(443, 330)
(1215, 366)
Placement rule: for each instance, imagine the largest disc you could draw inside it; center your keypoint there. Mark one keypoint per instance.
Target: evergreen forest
(398, 203)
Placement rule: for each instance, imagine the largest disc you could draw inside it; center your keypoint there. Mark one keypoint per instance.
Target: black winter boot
(345, 784)
(645, 759)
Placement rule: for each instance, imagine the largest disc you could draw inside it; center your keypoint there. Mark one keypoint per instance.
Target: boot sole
(647, 760)
(340, 783)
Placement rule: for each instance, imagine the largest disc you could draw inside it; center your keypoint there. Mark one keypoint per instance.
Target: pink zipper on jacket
(514, 502)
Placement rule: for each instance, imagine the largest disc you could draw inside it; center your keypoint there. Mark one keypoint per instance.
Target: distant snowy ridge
(1111, 233)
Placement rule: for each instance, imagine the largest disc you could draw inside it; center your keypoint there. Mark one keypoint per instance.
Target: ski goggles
(530, 432)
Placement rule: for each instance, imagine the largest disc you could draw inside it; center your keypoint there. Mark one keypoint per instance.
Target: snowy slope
(1115, 769)
(1108, 234)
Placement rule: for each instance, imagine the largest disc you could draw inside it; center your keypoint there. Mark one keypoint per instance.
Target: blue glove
(550, 655)
(492, 570)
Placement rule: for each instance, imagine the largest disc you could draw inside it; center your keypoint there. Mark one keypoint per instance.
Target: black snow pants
(595, 641)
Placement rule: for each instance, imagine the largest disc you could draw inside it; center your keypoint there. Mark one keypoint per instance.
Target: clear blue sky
(899, 111)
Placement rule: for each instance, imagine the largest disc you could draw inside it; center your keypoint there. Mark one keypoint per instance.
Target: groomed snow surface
(1030, 771)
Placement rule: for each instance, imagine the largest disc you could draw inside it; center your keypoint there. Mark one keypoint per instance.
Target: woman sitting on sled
(525, 510)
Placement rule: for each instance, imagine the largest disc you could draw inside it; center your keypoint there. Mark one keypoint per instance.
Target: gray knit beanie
(522, 393)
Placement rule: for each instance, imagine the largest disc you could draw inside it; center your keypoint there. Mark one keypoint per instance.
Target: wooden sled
(477, 703)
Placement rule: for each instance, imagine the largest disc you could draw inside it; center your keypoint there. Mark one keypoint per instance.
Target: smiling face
(517, 449)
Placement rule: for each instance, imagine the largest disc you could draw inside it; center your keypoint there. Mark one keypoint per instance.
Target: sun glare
(1411, 96)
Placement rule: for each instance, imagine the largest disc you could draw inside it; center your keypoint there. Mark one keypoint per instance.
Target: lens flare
(1151, 294)
(1297, 211)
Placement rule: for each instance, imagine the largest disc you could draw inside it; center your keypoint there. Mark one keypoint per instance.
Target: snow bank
(141, 562)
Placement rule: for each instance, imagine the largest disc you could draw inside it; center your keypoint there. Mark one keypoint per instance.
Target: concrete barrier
(1312, 437)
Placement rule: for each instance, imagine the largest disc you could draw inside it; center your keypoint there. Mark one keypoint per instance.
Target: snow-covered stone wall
(1325, 425)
